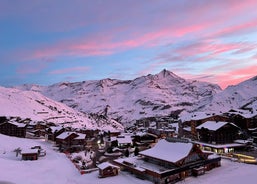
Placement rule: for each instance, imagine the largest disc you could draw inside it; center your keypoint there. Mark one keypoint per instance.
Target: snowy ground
(55, 168)
(229, 172)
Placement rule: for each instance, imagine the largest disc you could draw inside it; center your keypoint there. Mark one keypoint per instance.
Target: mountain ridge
(129, 100)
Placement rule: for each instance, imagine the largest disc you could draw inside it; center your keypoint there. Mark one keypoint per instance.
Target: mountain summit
(166, 73)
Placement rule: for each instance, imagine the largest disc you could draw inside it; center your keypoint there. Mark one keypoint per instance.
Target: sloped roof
(20, 125)
(213, 125)
(168, 151)
(55, 128)
(80, 136)
(64, 135)
(29, 151)
(104, 165)
(122, 140)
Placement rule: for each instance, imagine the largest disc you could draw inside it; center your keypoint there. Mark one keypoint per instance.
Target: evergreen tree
(127, 153)
(136, 151)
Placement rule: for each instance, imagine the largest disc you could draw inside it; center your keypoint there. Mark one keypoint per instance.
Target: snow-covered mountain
(127, 100)
(242, 96)
(35, 106)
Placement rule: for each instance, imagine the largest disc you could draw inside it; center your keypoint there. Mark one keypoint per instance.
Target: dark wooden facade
(107, 170)
(52, 133)
(224, 135)
(90, 133)
(71, 142)
(13, 129)
(245, 123)
(196, 122)
(162, 133)
(29, 156)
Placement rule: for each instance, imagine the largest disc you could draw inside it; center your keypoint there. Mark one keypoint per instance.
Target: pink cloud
(237, 29)
(99, 45)
(193, 21)
(70, 70)
(205, 50)
(236, 76)
(225, 79)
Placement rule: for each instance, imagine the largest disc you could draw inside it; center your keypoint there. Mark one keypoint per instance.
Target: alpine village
(160, 147)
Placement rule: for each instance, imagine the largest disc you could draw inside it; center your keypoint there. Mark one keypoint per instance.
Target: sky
(46, 42)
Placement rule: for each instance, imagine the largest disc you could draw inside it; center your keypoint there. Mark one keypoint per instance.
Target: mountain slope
(242, 96)
(127, 100)
(33, 105)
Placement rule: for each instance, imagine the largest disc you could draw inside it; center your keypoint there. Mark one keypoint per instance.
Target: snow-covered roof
(104, 165)
(56, 128)
(186, 116)
(80, 136)
(240, 141)
(168, 151)
(212, 125)
(126, 139)
(64, 135)
(28, 151)
(16, 124)
(187, 129)
(230, 145)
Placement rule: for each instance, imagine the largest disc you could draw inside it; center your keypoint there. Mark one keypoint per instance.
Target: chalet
(169, 162)
(71, 141)
(162, 133)
(114, 133)
(252, 122)
(30, 154)
(123, 141)
(53, 131)
(91, 133)
(239, 118)
(162, 124)
(219, 137)
(106, 169)
(141, 138)
(145, 122)
(37, 128)
(217, 132)
(13, 128)
(188, 127)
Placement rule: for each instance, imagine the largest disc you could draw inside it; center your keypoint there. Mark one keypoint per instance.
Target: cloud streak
(184, 36)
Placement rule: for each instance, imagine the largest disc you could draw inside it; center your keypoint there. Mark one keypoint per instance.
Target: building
(122, 141)
(13, 128)
(168, 162)
(29, 154)
(106, 169)
(53, 131)
(188, 127)
(71, 141)
(217, 132)
(141, 138)
(163, 132)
